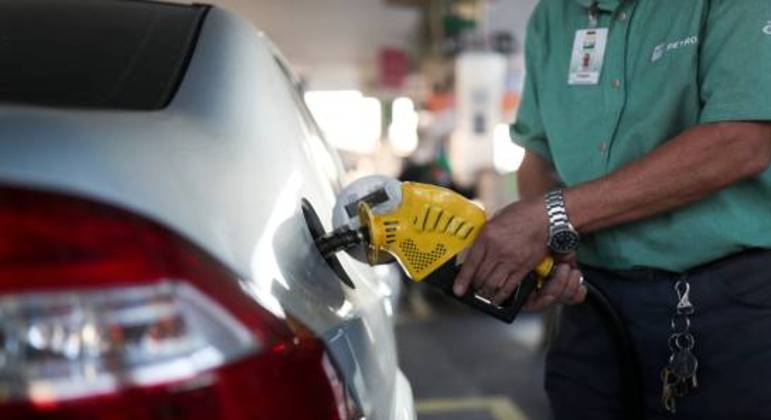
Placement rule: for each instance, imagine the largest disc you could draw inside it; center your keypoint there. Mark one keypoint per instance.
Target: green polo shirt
(669, 65)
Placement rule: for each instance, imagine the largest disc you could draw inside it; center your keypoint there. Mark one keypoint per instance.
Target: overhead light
(350, 121)
(403, 131)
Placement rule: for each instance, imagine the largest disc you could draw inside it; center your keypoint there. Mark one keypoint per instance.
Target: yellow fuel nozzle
(430, 227)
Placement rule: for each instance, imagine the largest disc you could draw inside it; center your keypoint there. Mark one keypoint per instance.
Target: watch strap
(556, 210)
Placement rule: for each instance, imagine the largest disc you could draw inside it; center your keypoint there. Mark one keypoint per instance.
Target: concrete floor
(465, 366)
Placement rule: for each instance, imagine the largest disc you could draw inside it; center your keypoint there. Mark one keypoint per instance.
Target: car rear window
(95, 53)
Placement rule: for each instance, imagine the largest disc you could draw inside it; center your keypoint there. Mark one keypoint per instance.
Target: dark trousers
(731, 324)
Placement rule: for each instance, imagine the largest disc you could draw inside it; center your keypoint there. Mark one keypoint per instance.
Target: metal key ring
(680, 342)
(672, 345)
(685, 341)
(686, 323)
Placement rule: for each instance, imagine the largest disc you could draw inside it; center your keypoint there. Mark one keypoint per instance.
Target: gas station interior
(316, 209)
(417, 90)
(424, 90)
(410, 88)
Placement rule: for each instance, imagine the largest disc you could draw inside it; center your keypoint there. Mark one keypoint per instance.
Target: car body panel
(227, 164)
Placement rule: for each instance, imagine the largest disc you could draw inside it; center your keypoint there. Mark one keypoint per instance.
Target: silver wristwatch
(563, 238)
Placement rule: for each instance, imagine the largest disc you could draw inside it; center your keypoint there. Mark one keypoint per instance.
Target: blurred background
(425, 90)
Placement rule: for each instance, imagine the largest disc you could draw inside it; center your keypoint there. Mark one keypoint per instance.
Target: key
(668, 399)
(667, 392)
(680, 389)
(684, 365)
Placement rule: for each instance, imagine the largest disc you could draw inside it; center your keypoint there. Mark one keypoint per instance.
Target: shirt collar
(606, 5)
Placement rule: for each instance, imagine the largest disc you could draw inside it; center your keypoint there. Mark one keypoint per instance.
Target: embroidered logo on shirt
(767, 29)
(662, 49)
(658, 52)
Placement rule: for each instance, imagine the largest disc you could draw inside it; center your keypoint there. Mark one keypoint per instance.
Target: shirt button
(603, 147)
(616, 84)
(622, 16)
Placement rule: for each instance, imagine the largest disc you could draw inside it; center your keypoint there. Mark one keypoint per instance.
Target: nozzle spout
(340, 240)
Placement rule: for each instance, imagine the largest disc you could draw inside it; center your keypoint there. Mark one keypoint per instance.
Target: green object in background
(668, 66)
(443, 162)
(454, 25)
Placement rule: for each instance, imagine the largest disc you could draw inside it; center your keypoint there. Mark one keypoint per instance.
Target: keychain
(679, 375)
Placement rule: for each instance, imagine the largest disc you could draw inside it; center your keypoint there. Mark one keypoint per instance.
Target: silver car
(161, 183)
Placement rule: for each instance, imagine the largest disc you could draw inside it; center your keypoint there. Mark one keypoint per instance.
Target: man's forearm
(695, 164)
(535, 177)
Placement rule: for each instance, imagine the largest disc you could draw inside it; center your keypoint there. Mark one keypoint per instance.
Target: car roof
(104, 54)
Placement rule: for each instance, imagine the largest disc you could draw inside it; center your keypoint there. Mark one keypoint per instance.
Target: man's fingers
(485, 271)
(569, 259)
(553, 289)
(469, 269)
(511, 283)
(564, 286)
(539, 302)
(480, 282)
(492, 283)
(571, 288)
(579, 296)
(556, 285)
(531, 300)
(582, 292)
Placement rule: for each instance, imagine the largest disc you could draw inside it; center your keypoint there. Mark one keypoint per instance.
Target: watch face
(564, 241)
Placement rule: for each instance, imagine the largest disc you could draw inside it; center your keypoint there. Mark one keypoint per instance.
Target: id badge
(588, 56)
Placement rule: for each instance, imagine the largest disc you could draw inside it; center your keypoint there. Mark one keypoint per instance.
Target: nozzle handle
(444, 278)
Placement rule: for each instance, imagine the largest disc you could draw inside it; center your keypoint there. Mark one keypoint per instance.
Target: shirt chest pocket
(670, 64)
(663, 83)
(576, 119)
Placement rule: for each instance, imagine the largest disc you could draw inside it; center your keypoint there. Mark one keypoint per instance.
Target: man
(650, 119)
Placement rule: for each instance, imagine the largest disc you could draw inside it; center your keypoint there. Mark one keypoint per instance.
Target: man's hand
(511, 244)
(565, 286)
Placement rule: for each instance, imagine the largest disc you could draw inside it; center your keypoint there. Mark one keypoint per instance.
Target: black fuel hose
(631, 376)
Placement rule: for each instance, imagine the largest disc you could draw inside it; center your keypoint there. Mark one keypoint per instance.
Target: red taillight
(106, 315)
